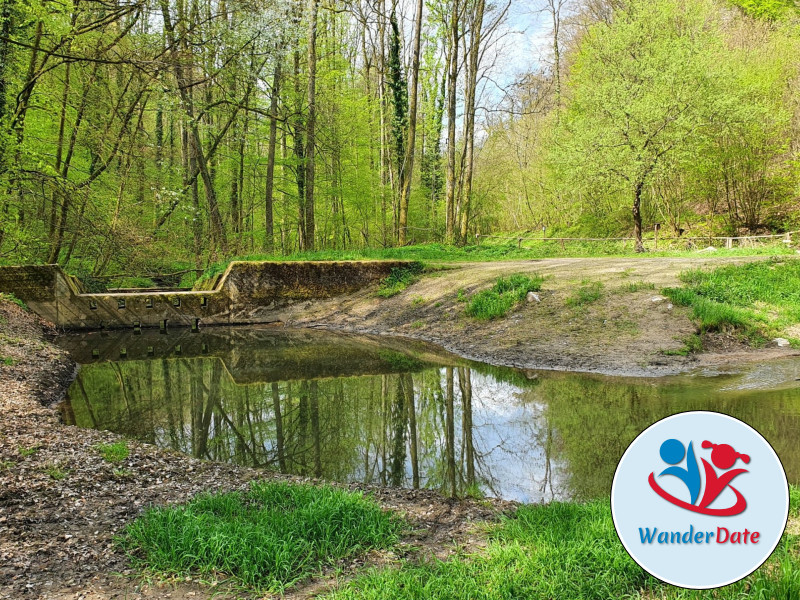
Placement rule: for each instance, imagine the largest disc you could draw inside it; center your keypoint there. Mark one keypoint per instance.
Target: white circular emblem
(700, 500)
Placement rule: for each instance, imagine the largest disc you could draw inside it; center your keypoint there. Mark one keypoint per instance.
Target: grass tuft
(114, 453)
(400, 278)
(759, 299)
(588, 293)
(502, 296)
(636, 286)
(269, 537)
(691, 345)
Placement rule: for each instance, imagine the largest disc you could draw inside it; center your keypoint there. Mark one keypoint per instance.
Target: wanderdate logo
(700, 500)
(723, 457)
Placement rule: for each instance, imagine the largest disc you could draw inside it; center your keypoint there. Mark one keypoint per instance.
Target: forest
(144, 136)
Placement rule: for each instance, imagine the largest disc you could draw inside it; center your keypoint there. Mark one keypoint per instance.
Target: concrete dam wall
(248, 292)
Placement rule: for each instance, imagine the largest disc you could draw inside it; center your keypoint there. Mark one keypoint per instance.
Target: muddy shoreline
(61, 504)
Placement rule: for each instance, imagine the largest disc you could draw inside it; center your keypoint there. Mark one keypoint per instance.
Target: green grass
(691, 345)
(29, 451)
(758, 299)
(114, 453)
(7, 297)
(502, 296)
(57, 473)
(400, 278)
(636, 286)
(7, 361)
(562, 551)
(491, 250)
(587, 293)
(269, 537)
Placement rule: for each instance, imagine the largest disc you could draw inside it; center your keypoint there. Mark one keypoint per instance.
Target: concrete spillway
(247, 293)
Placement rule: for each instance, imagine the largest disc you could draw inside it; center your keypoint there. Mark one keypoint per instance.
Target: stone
(533, 297)
(782, 342)
(708, 249)
(657, 299)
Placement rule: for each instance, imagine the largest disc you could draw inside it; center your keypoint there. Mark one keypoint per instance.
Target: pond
(398, 413)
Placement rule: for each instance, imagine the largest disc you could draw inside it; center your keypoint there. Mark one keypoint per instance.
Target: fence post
(728, 243)
(519, 243)
(787, 239)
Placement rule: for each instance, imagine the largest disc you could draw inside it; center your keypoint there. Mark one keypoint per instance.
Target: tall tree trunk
(407, 169)
(637, 215)
(269, 222)
(469, 116)
(311, 122)
(299, 150)
(450, 189)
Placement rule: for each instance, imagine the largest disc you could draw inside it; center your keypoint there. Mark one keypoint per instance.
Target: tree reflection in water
(413, 419)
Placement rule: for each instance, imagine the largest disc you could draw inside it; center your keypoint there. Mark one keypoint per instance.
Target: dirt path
(623, 333)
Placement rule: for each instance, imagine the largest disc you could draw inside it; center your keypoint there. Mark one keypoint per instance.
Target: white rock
(533, 297)
(782, 342)
(657, 299)
(670, 307)
(709, 249)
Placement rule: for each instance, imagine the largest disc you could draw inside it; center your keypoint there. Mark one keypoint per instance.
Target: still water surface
(393, 412)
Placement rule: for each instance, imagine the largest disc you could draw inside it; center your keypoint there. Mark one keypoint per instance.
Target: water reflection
(390, 412)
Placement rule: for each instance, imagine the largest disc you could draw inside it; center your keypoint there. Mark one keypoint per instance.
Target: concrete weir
(247, 293)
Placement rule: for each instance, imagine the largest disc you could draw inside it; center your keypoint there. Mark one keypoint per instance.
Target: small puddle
(397, 413)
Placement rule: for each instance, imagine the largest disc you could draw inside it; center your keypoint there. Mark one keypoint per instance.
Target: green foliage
(587, 293)
(114, 453)
(29, 451)
(561, 551)
(502, 296)
(7, 361)
(759, 299)
(774, 10)
(6, 297)
(691, 345)
(636, 286)
(57, 473)
(400, 278)
(269, 537)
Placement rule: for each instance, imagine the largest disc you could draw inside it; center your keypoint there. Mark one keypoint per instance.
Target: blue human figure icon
(672, 452)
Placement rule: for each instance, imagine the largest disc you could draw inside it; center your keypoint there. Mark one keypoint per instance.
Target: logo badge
(700, 500)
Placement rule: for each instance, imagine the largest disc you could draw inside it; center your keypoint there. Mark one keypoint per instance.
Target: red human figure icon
(724, 457)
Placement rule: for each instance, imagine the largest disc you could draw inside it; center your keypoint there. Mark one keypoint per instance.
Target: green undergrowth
(502, 296)
(587, 293)
(267, 538)
(400, 278)
(563, 551)
(8, 297)
(489, 251)
(114, 453)
(759, 300)
(691, 345)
